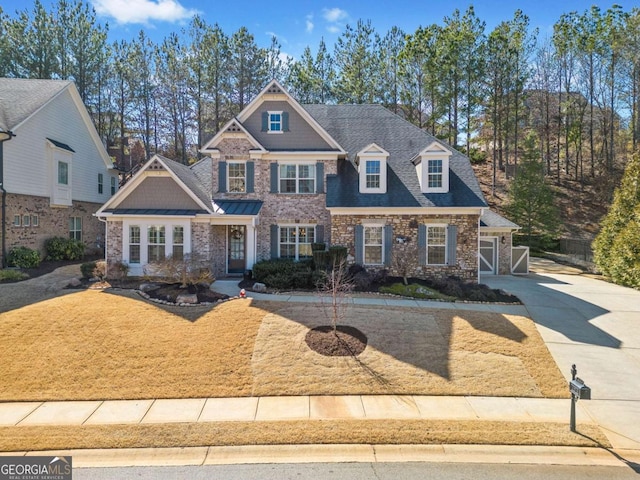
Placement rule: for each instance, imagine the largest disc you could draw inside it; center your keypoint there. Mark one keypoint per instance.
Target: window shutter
(452, 243)
(359, 244)
(320, 177)
(422, 244)
(222, 177)
(274, 241)
(274, 178)
(285, 121)
(388, 244)
(265, 121)
(319, 233)
(250, 175)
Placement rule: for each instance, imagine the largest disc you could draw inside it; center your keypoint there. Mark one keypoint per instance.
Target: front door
(237, 248)
(488, 255)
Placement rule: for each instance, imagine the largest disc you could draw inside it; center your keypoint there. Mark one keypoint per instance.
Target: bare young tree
(334, 291)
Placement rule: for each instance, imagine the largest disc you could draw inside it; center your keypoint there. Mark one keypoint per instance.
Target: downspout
(478, 245)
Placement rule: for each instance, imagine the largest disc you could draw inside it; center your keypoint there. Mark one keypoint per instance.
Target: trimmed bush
(97, 269)
(23, 257)
(283, 274)
(60, 248)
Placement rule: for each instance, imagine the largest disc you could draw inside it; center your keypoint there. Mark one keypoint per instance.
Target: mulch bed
(344, 341)
(170, 292)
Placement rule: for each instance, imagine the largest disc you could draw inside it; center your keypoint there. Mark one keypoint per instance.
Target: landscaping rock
(74, 282)
(187, 298)
(148, 287)
(259, 287)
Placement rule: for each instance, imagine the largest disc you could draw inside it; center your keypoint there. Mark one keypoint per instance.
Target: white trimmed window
(295, 241)
(373, 244)
(26, 220)
(275, 122)
(372, 172)
(432, 168)
(237, 177)
(434, 173)
(436, 244)
(134, 244)
(100, 183)
(178, 242)
(63, 173)
(17, 220)
(156, 240)
(113, 185)
(297, 178)
(35, 221)
(75, 228)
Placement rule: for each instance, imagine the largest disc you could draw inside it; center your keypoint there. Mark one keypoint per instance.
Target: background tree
(531, 200)
(354, 59)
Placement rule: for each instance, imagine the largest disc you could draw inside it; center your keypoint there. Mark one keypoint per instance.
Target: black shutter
(265, 121)
(274, 242)
(285, 121)
(222, 177)
(422, 244)
(320, 177)
(359, 244)
(388, 244)
(452, 243)
(274, 177)
(319, 233)
(250, 175)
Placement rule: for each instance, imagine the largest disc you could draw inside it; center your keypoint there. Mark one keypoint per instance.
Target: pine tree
(615, 245)
(530, 197)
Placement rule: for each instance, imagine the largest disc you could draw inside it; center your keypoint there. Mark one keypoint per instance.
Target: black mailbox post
(579, 391)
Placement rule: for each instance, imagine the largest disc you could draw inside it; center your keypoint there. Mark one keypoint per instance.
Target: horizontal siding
(28, 169)
(159, 192)
(300, 135)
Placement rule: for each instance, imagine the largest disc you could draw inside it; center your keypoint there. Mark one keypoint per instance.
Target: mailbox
(579, 390)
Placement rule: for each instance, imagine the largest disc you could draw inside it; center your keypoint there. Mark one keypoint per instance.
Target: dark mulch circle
(345, 341)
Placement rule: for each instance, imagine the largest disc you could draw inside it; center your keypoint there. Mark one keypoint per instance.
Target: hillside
(581, 208)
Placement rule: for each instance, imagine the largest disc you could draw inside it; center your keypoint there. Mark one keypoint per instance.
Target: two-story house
(282, 176)
(55, 171)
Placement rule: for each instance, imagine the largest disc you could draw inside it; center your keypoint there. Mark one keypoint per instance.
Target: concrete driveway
(595, 325)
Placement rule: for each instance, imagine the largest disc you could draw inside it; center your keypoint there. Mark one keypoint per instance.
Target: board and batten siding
(28, 166)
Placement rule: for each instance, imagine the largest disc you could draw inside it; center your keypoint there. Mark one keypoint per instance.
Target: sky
(298, 23)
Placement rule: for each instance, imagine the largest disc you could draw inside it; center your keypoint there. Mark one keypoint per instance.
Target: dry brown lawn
(100, 345)
(15, 439)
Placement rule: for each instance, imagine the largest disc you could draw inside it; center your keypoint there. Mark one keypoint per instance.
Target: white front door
(488, 255)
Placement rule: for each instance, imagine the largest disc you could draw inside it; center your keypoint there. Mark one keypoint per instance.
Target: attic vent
(156, 165)
(274, 89)
(234, 128)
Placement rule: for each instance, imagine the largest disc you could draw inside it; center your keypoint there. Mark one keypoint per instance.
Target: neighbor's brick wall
(277, 208)
(343, 233)
(53, 222)
(219, 249)
(504, 250)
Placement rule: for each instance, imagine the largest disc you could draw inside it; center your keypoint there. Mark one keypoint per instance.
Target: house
(55, 171)
(282, 176)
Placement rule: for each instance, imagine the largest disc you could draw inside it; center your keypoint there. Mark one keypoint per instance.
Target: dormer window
(372, 167)
(432, 168)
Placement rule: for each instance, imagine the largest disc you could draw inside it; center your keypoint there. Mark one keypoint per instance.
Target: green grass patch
(9, 275)
(415, 291)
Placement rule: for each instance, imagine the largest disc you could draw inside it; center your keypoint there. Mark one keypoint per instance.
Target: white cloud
(309, 23)
(334, 15)
(333, 29)
(143, 11)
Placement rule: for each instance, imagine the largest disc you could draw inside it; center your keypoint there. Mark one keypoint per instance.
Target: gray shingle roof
(492, 219)
(20, 98)
(356, 126)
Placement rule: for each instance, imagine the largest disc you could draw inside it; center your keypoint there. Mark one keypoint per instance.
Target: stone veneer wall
(277, 208)
(504, 250)
(343, 233)
(52, 222)
(114, 246)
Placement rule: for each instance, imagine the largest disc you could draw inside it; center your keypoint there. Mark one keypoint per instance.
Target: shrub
(23, 257)
(7, 275)
(97, 269)
(118, 270)
(193, 269)
(337, 254)
(284, 273)
(60, 248)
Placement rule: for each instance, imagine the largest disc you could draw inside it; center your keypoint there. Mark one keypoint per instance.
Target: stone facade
(277, 208)
(405, 255)
(52, 222)
(114, 246)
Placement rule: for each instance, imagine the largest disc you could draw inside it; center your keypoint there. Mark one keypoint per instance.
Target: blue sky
(297, 23)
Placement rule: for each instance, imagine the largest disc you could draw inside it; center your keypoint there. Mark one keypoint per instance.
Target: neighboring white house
(56, 170)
